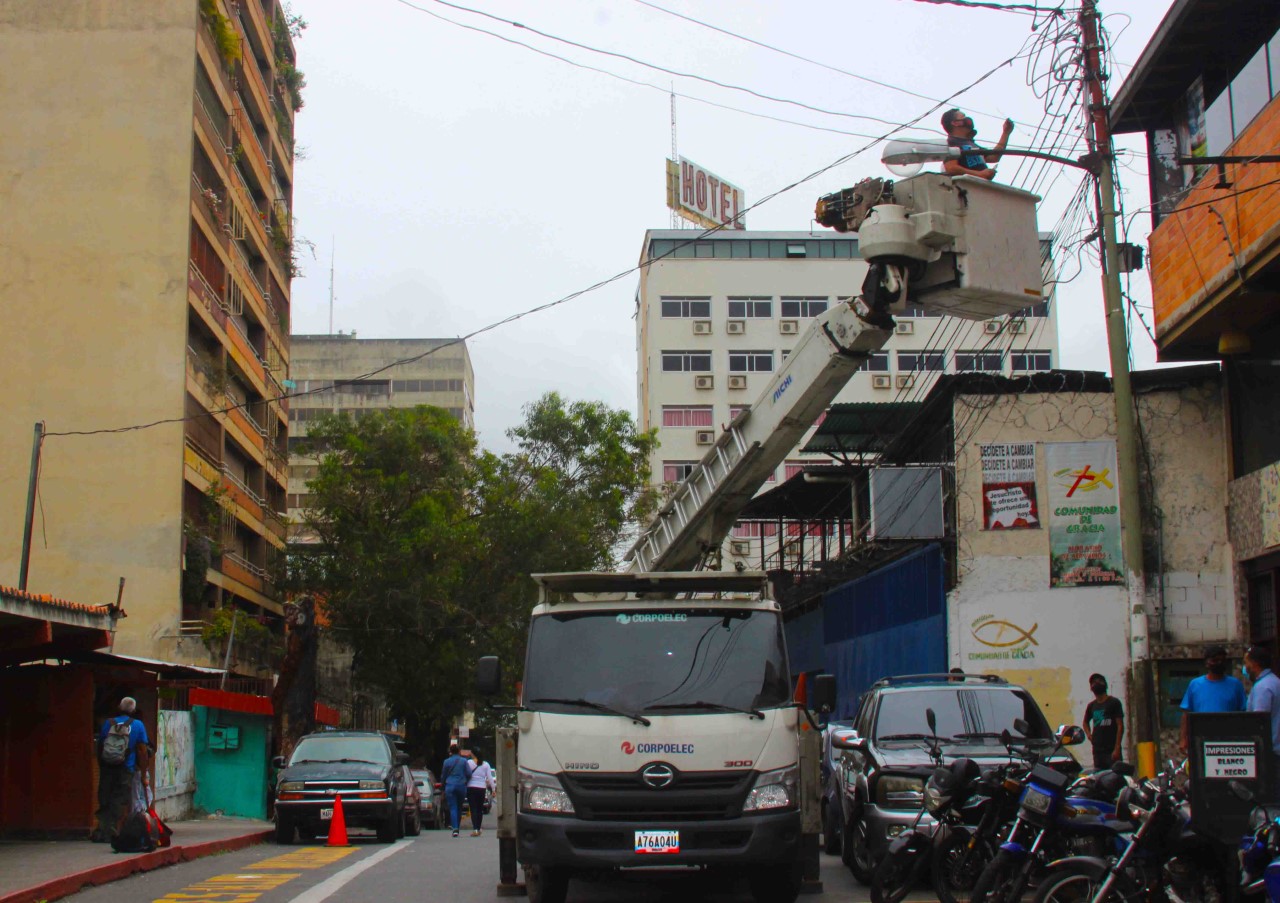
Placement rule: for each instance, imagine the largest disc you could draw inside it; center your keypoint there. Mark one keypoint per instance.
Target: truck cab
(658, 729)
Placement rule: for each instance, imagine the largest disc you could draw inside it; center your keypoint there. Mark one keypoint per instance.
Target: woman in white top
(480, 782)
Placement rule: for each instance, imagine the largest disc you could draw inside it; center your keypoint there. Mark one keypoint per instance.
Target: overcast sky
(464, 179)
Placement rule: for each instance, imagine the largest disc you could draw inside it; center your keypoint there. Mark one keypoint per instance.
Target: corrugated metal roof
(861, 428)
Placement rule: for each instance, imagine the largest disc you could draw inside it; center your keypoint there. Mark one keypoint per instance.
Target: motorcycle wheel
(896, 875)
(956, 867)
(995, 884)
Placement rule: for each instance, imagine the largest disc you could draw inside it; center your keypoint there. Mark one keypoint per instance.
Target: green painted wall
(231, 780)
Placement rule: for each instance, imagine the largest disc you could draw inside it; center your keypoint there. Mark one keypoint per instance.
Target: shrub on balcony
(224, 35)
(253, 638)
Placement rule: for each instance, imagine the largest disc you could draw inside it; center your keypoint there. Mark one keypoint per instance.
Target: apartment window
(751, 362)
(794, 468)
(916, 361)
(797, 249)
(1242, 100)
(1030, 361)
(750, 308)
(685, 308)
(686, 415)
(676, 471)
(426, 385)
(786, 353)
(686, 361)
(740, 249)
(987, 361)
(753, 530)
(877, 363)
(793, 308)
(368, 388)
(772, 477)
(735, 410)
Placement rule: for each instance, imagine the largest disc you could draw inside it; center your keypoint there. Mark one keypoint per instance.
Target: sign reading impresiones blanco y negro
(702, 197)
(1084, 514)
(1230, 760)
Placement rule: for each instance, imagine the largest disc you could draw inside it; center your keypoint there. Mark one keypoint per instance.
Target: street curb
(123, 868)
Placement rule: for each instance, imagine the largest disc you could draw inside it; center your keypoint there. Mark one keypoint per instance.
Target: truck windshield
(339, 749)
(694, 661)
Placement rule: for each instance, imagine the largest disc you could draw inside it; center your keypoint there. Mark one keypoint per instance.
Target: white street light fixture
(905, 158)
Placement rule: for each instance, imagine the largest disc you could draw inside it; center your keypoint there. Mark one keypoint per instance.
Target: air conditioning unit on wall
(904, 327)
(881, 381)
(702, 327)
(1018, 325)
(788, 327)
(705, 437)
(704, 382)
(737, 382)
(907, 381)
(991, 327)
(740, 548)
(735, 327)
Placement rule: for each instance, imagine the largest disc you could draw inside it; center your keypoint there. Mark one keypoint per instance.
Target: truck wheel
(284, 829)
(775, 884)
(546, 884)
(830, 831)
(390, 828)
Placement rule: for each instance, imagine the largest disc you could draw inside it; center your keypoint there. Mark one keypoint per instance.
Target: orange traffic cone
(338, 825)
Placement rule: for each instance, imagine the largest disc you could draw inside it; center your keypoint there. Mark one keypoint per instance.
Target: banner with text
(1084, 514)
(1009, 486)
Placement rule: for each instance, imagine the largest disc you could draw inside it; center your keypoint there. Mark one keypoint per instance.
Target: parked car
(431, 797)
(832, 822)
(363, 766)
(882, 776)
(412, 804)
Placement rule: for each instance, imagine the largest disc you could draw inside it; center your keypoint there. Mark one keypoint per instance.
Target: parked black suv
(884, 767)
(363, 766)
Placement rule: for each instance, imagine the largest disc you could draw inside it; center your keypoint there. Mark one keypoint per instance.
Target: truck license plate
(326, 814)
(657, 841)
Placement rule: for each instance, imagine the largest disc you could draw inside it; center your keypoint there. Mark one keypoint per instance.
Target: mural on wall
(175, 754)
(1009, 486)
(1084, 515)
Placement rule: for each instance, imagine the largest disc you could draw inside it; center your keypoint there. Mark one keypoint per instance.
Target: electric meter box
(977, 241)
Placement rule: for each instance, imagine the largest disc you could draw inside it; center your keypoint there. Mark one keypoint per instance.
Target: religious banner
(1084, 514)
(1009, 486)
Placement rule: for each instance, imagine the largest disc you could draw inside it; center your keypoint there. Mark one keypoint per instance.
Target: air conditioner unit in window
(740, 548)
(702, 327)
(991, 327)
(906, 381)
(735, 327)
(705, 437)
(1018, 325)
(788, 327)
(737, 382)
(881, 381)
(704, 382)
(904, 327)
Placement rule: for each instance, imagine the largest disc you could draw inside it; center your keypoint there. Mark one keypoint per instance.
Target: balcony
(215, 124)
(241, 494)
(247, 138)
(208, 298)
(210, 202)
(244, 571)
(1254, 513)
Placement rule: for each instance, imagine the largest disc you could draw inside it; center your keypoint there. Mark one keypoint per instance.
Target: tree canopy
(426, 542)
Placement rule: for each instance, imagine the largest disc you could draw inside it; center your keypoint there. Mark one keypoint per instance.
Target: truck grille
(691, 796)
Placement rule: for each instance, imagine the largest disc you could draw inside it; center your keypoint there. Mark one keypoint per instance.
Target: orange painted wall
(1189, 249)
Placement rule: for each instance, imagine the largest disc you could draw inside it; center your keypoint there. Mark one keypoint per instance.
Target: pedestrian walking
(1213, 691)
(122, 751)
(1264, 695)
(1104, 723)
(454, 774)
(480, 783)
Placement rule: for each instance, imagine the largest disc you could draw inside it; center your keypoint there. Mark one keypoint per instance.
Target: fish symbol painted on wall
(998, 631)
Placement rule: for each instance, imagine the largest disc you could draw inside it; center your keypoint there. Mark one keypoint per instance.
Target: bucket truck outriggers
(657, 725)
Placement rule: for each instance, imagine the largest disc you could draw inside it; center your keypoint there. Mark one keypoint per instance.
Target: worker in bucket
(961, 133)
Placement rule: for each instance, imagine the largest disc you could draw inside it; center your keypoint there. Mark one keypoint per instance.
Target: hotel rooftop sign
(704, 198)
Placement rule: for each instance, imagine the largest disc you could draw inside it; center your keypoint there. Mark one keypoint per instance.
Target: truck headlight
(774, 790)
(899, 792)
(543, 793)
(372, 785)
(291, 787)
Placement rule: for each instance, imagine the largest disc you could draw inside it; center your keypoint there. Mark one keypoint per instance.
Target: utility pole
(33, 487)
(1128, 482)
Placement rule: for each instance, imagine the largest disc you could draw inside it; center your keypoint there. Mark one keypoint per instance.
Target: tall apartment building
(333, 368)
(719, 314)
(145, 209)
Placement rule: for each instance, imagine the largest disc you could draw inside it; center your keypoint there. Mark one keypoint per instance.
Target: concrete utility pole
(33, 487)
(1128, 482)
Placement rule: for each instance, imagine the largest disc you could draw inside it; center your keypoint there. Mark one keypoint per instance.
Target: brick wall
(1190, 257)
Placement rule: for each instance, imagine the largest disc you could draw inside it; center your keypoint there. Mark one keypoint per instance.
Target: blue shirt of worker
(137, 736)
(1265, 697)
(1223, 695)
(968, 161)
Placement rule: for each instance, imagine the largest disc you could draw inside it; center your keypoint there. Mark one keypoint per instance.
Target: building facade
(331, 373)
(716, 315)
(1212, 127)
(147, 255)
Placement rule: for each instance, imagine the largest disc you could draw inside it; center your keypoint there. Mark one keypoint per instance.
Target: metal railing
(236, 481)
(240, 561)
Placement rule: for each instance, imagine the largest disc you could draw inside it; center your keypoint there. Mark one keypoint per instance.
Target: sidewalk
(34, 870)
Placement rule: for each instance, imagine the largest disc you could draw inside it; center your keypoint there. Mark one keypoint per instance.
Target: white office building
(717, 315)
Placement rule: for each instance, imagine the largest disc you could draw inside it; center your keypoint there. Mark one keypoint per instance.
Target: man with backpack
(122, 748)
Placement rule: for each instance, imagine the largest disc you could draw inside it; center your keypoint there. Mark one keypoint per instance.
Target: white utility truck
(658, 724)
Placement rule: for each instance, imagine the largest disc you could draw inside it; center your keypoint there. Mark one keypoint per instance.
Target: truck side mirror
(489, 675)
(822, 693)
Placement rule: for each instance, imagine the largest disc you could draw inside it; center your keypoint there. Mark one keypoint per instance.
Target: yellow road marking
(236, 888)
(308, 858)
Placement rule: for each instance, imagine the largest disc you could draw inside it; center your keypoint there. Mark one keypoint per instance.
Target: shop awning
(860, 428)
(35, 627)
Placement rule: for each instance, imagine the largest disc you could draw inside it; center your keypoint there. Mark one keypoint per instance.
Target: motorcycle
(1260, 848)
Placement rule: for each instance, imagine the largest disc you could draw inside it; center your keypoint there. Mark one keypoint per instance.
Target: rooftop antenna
(333, 243)
(675, 158)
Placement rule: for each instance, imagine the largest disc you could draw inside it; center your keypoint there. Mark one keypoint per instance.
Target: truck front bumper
(551, 840)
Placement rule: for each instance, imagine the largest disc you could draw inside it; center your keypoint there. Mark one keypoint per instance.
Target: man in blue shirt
(1264, 695)
(454, 774)
(122, 748)
(1213, 691)
(960, 133)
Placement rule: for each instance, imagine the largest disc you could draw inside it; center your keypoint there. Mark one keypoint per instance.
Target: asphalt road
(434, 866)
